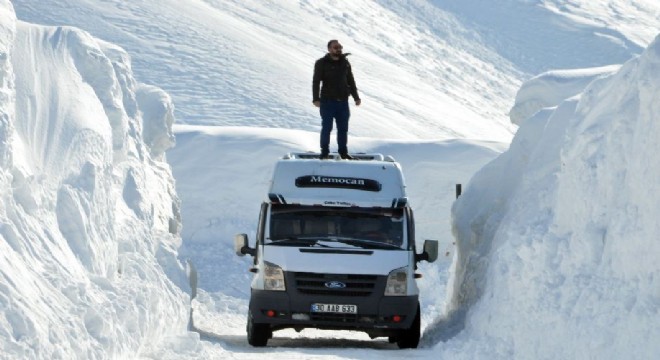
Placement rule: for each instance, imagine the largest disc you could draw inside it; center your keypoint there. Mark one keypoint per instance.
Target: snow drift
(89, 222)
(549, 89)
(557, 238)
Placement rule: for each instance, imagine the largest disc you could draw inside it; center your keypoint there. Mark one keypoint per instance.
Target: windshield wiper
(370, 244)
(317, 241)
(294, 241)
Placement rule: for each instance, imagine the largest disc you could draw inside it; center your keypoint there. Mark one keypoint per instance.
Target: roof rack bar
(334, 156)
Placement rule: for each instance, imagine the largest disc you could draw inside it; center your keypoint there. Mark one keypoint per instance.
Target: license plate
(334, 308)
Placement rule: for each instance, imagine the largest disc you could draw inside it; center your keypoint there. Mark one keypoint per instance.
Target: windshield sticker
(337, 203)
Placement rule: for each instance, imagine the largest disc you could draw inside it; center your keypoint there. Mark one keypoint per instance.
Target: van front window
(383, 226)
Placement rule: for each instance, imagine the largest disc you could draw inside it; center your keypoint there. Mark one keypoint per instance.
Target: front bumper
(377, 314)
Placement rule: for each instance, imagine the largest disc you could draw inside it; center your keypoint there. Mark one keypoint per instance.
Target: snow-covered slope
(567, 235)
(421, 74)
(541, 35)
(425, 69)
(89, 222)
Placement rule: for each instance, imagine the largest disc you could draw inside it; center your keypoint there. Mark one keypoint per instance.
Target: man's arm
(352, 87)
(316, 81)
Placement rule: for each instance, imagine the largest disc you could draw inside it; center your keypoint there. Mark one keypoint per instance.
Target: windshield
(381, 228)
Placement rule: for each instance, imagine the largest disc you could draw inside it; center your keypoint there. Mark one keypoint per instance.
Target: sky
(138, 138)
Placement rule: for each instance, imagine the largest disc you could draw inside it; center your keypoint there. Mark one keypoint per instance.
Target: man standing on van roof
(334, 71)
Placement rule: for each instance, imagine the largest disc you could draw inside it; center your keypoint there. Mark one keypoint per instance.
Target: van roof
(371, 180)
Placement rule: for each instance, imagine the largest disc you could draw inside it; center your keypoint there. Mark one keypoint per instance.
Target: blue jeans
(339, 111)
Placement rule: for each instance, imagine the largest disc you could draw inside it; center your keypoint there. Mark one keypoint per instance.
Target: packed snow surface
(550, 252)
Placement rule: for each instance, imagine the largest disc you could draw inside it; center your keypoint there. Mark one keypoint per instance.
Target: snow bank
(89, 223)
(7, 33)
(557, 238)
(549, 89)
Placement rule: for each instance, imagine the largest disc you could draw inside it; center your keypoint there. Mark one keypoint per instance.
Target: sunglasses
(337, 47)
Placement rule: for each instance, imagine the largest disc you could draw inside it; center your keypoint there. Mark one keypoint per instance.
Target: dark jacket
(337, 78)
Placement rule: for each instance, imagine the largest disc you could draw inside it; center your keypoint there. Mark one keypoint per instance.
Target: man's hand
(317, 103)
(358, 102)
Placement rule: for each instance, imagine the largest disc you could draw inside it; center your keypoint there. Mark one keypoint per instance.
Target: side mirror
(241, 245)
(431, 250)
(430, 253)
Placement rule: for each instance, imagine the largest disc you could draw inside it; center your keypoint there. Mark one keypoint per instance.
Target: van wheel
(257, 334)
(409, 338)
(391, 339)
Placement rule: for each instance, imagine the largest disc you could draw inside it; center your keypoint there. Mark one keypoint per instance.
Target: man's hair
(332, 41)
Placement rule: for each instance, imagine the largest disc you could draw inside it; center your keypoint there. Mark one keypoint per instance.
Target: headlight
(273, 277)
(397, 282)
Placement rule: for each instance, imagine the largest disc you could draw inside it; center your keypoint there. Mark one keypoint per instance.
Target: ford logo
(335, 285)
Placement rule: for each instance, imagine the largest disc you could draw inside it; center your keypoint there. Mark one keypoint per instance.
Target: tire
(409, 338)
(257, 334)
(391, 339)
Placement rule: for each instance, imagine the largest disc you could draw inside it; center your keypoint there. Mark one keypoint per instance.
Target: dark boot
(345, 156)
(324, 155)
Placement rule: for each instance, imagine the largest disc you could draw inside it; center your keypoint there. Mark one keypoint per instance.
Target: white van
(335, 249)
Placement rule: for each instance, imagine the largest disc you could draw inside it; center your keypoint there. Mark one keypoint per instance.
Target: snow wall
(557, 238)
(89, 218)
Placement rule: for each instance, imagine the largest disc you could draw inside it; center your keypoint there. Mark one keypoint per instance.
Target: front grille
(315, 284)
